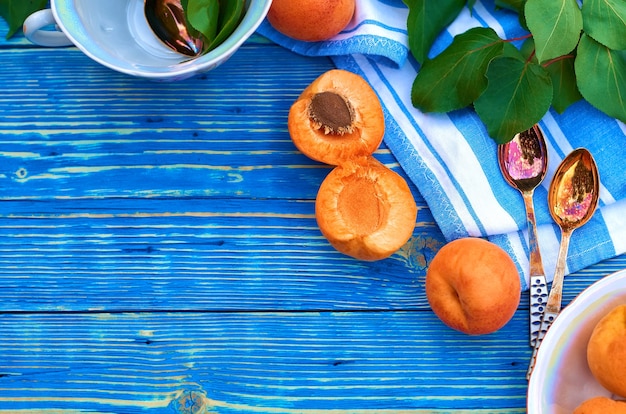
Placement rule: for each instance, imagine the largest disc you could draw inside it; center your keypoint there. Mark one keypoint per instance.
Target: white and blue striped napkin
(452, 160)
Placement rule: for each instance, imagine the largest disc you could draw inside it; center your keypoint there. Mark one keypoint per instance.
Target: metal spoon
(524, 162)
(167, 20)
(573, 198)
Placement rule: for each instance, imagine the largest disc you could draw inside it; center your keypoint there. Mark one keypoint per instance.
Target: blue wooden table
(159, 254)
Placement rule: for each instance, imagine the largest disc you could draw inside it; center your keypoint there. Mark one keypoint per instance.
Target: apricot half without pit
(336, 118)
(365, 210)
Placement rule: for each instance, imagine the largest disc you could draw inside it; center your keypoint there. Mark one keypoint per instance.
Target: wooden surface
(159, 254)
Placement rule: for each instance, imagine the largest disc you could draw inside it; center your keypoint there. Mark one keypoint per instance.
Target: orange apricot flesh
(365, 210)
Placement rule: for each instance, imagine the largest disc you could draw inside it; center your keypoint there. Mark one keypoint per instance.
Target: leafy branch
(571, 53)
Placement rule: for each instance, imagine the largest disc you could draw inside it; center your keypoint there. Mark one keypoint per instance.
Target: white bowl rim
(221, 53)
(589, 296)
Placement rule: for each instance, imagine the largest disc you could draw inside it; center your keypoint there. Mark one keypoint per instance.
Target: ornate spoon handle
(553, 307)
(538, 298)
(538, 283)
(546, 322)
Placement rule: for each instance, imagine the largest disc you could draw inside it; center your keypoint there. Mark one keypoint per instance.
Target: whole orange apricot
(310, 20)
(336, 118)
(473, 286)
(606, 351)
(601, 405)
(365, 210)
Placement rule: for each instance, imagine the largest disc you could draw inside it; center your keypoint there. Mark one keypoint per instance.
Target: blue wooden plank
(37, 170)
(78, 126)
(177, 192)
(191, 254)
(199, 254)
(262, 362)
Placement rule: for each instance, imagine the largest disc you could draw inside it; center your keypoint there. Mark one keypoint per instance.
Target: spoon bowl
(573, 199)
(574, 193)
(167, 20)
(524, 162)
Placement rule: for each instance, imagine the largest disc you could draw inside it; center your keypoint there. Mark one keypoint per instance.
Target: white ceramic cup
(116, 34)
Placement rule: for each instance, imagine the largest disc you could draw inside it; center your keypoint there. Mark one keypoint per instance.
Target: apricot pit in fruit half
(365, 210)
(336, 118)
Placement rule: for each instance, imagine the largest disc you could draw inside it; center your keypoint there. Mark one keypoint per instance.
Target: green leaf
(565, 91)
(456, 77)
(564, 84)
(190, 29)
(14, 12)
(601, 77)
(518, 95)
(556, 26)
(511, 51)
(515, 5)
(605, 21)
(203, 15)
(231, 12)
(427, 18)
(528, 50)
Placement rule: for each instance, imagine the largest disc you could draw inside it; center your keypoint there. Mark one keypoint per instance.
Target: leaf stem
(515, 39)
(556, 59)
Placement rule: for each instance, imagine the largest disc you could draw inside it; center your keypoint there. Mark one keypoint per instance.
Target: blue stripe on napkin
(451, 158)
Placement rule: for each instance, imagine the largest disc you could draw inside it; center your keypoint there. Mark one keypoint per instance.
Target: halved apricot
(336, 118)
(365, 210)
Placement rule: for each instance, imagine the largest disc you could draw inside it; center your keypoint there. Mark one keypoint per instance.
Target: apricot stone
(336, 118)
(365, 210)
(310, 20)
